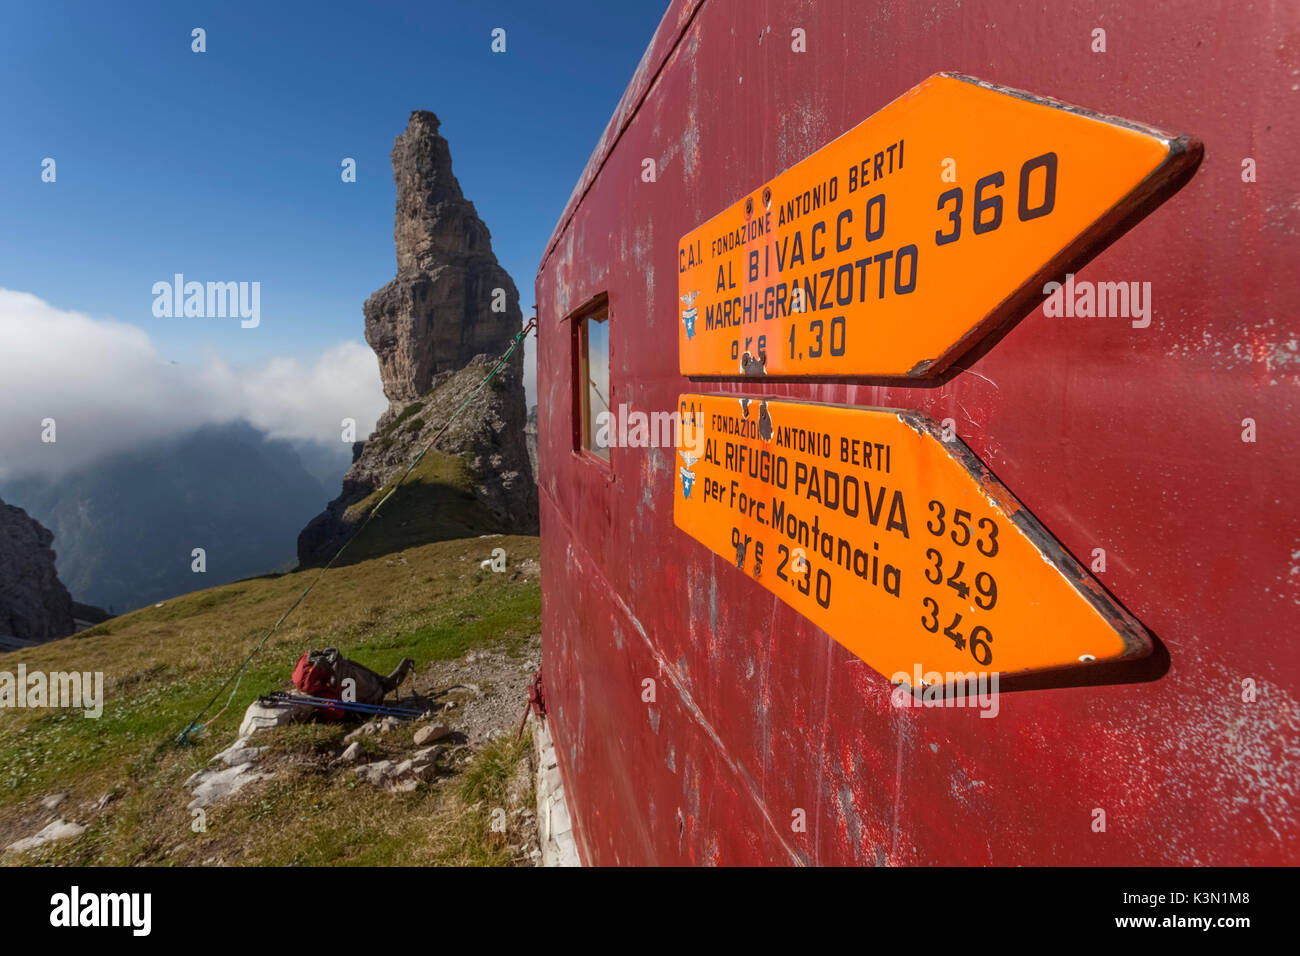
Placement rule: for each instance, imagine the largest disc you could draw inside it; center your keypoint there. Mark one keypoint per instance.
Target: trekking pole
(279, 698)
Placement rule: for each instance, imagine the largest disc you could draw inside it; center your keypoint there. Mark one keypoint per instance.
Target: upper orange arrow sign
(918, 233)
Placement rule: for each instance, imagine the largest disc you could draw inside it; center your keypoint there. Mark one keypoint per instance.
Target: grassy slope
(161, 664)
(437, 502)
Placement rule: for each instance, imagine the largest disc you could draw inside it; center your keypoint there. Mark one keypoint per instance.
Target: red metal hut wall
(1117, 438)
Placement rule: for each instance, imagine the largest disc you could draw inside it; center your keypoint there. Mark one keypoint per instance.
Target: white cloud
(108, 389)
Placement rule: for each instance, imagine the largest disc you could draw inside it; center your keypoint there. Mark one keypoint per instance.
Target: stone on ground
(213, 786)
(238, 753)
(261, 716)
(432, 734)
(351, 753)
(60, 829)
(368, 729)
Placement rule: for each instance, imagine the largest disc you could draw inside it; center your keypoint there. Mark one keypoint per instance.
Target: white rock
(560, 822)
(238, 753)
(427, 755)
(234, 758)
(568, 855)
(424, 763)
(432, 734)
(60, 829)
(552, 779)
(53, 800)
(368, 729)
(261, 716)
(374, 773)
(211, 786)
(351, 754)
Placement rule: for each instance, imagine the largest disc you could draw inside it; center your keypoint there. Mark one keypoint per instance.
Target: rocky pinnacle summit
(438, 328)
(437, 313)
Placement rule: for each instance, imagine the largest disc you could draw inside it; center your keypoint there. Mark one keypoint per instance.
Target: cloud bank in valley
(108, 389)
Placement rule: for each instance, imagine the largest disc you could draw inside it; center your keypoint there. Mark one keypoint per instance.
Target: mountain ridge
(34, 603)
(126, 527)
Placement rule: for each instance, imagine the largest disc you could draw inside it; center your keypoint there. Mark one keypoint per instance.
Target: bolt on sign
(928, 227)
(897, 543)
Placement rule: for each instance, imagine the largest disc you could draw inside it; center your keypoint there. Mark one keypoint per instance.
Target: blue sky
(225, 165)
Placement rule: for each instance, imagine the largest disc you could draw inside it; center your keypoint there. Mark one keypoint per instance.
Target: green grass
(160, 664)
(406, 413)
(436, 503)
(385, 439)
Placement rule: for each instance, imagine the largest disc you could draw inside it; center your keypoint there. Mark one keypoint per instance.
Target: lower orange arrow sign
(892, 537)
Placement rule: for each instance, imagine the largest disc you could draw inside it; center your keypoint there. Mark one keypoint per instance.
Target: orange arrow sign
(892, 537)
(918, 233)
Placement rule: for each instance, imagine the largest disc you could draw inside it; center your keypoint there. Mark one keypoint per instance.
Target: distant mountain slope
(125, 529)
(34, 604)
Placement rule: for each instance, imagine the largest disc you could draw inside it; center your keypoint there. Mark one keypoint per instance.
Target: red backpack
(314, 676)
